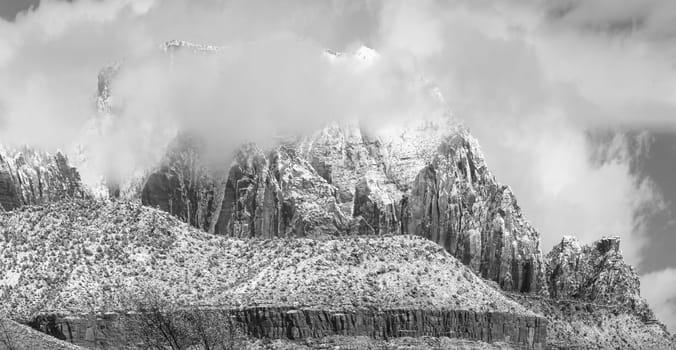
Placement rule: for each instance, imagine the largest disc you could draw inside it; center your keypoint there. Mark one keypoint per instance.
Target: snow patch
(11, 279)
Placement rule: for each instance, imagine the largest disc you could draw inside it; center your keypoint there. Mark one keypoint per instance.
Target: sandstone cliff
(184, 186)
(29, 177)
(107, 330)
(430, 179)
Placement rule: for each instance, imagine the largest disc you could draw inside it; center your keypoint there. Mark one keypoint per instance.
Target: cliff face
(523, 331)
(595, 273)
(264, 194)
(184, 186)
(430, 179)
(29, 177)
(427, 179)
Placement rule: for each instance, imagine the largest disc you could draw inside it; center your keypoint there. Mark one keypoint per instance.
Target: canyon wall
(526, 332)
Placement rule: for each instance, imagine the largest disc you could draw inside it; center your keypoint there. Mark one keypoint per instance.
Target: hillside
(85, 255)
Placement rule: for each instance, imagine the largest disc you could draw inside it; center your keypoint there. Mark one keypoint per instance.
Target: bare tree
(154, 323)
(159, 325)
(213, 329)
(5, 335)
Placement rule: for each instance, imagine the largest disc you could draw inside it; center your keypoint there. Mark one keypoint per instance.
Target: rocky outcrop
(595, 273)
(575, 324)
(526, 332)
(430, 179)
(265, 195)
(29, 177)
(278, 194)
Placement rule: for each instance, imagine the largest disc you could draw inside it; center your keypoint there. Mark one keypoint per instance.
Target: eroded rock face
(264, 194)
(430, 179)
(521, 331)
(30, 177)
(185, 187)
(594, 273)
(427, 179)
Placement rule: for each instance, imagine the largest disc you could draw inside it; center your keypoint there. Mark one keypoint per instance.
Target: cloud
(531, 89)
(270, 78)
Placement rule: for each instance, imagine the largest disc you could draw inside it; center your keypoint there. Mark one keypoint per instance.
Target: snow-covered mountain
(424, 176)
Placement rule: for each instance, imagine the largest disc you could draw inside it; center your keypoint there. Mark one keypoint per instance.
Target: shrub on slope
(86, 255)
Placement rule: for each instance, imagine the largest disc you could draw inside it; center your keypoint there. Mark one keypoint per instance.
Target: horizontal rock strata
(526, 332)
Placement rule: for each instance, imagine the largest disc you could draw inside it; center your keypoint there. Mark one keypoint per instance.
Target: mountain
(428, 179)
(595, 272)
(352, 231)
(96, 257)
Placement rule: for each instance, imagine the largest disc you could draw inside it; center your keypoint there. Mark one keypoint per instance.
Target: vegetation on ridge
(86, 255)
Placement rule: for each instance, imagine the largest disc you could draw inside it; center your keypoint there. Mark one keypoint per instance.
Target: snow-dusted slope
(84, 255)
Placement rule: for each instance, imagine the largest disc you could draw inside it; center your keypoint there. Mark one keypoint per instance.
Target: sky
(573, 102)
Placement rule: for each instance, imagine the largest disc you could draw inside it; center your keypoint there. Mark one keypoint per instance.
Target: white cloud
(531, 89)
(270, 78)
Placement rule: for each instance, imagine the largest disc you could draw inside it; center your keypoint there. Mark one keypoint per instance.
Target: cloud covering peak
(534, 80)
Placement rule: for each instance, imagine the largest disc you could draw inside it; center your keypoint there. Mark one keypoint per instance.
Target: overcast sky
(573, 102)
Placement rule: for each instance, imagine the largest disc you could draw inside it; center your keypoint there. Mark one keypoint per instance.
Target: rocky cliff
(428, 179)
(595, 273)
(30, 177)
(576, 324)
(521, 331)
(185, 187)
